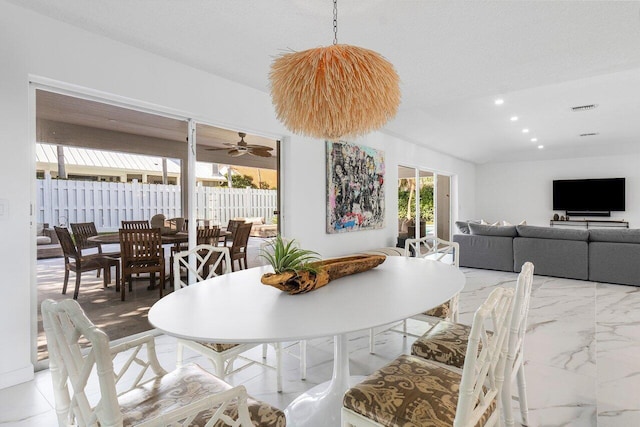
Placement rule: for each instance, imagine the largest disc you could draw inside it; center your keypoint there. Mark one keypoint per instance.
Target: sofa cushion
(463, 226)
(493, 230)
(43, 240)
(552, 233)
(552, 257)
(489, 252)
(611, 262)
(255, 220)
(616, 236)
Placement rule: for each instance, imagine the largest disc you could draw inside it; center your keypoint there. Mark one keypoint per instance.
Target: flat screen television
(589, 195)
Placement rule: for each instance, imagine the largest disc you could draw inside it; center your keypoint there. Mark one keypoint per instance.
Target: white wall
(31, 44)
(523, 190)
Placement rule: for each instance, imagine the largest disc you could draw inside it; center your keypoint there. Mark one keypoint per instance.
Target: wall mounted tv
(597, 197)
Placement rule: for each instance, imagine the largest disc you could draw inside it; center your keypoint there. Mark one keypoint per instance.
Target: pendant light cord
(335, 22)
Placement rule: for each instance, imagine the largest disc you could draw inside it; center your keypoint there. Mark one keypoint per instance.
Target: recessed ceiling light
(514, 118)
(499, 101)
(540, 147)
(525, 130)
(534, 139)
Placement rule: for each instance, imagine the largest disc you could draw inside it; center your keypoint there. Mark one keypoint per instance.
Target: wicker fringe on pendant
(334, 91)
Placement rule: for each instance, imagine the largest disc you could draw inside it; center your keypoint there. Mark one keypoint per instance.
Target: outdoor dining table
(238, 308)
(173, 238)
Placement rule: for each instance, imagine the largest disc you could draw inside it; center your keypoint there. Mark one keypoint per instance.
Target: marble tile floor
(581, 354)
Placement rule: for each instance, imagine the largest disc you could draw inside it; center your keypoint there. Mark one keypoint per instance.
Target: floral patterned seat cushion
(217, 347)
(182, 387)
(442, 311)
(446, 342)
(409, 392)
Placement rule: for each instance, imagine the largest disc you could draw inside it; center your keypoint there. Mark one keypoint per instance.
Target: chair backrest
(208, 235)
(68, 247)
(483, 371)
(232, 226)
(135, 225)
(81, 233)
(433, 248)
(141, 246)
(241, 238)
(520, 312)
(65, 325)
(208, 261)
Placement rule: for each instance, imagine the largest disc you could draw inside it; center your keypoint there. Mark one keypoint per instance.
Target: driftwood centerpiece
(299, 282)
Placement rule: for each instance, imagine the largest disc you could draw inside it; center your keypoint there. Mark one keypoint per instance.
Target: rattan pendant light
(334, 91)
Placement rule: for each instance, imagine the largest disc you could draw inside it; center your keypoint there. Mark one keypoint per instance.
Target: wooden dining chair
(211, 261)
(232, 226)
(135, 225)
(137, 391)
(81, 233)
(238, 247)
(141, 252)
(446, 342)
(78, 263)
(417, 392)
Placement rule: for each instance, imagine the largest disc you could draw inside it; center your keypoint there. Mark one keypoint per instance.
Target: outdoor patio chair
(414, 391)
(135, 225)
(232, 225)
(211, 261)
(238, 248)
(141, 252)
(140, 392)
(74, 261)
(81, 233)
(446, 342)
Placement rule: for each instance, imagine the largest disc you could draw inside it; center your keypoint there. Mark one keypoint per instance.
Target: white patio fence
(108, 203)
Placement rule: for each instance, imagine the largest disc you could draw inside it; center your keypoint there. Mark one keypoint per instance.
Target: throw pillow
(506, 222)
(523, 222)
(490, 230)
(463, 226)
(496, 224)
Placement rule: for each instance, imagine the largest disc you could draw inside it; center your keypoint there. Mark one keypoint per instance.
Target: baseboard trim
(19, 376)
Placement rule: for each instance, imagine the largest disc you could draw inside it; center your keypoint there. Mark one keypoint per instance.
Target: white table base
(321, 405)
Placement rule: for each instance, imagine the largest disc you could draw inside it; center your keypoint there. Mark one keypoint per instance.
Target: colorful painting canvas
(355, 187)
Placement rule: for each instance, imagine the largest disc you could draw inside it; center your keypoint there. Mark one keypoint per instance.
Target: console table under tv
(589, 223)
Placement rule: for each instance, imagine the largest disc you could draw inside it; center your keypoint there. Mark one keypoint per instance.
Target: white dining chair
(418, 392)
(437, 249)
(140, 392)
(201, 263)
(446, 343)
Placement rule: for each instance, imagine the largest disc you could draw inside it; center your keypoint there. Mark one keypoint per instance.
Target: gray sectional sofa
(599, 255)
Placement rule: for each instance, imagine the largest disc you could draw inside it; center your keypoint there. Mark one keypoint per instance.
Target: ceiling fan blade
(260, 153)
(259, 147)
(236, 153)
(216, 148)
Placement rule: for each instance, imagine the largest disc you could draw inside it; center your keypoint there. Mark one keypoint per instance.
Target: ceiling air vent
(589, 134)
(584, 107)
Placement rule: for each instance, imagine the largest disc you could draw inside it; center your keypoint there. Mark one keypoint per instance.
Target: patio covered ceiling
(67, 120)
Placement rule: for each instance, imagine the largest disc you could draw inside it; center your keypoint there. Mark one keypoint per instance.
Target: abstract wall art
(355, 187)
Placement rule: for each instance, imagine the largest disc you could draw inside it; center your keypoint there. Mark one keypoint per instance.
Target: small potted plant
(297, 270)
(291, 265)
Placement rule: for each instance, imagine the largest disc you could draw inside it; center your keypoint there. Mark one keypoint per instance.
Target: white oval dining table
(238, 308)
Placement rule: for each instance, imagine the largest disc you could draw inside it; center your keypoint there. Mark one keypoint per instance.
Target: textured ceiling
(453, 57)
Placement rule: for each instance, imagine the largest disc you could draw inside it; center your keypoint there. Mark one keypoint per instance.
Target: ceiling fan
(241, 147)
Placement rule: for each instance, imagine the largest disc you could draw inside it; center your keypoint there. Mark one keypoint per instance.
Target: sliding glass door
(424, 207)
